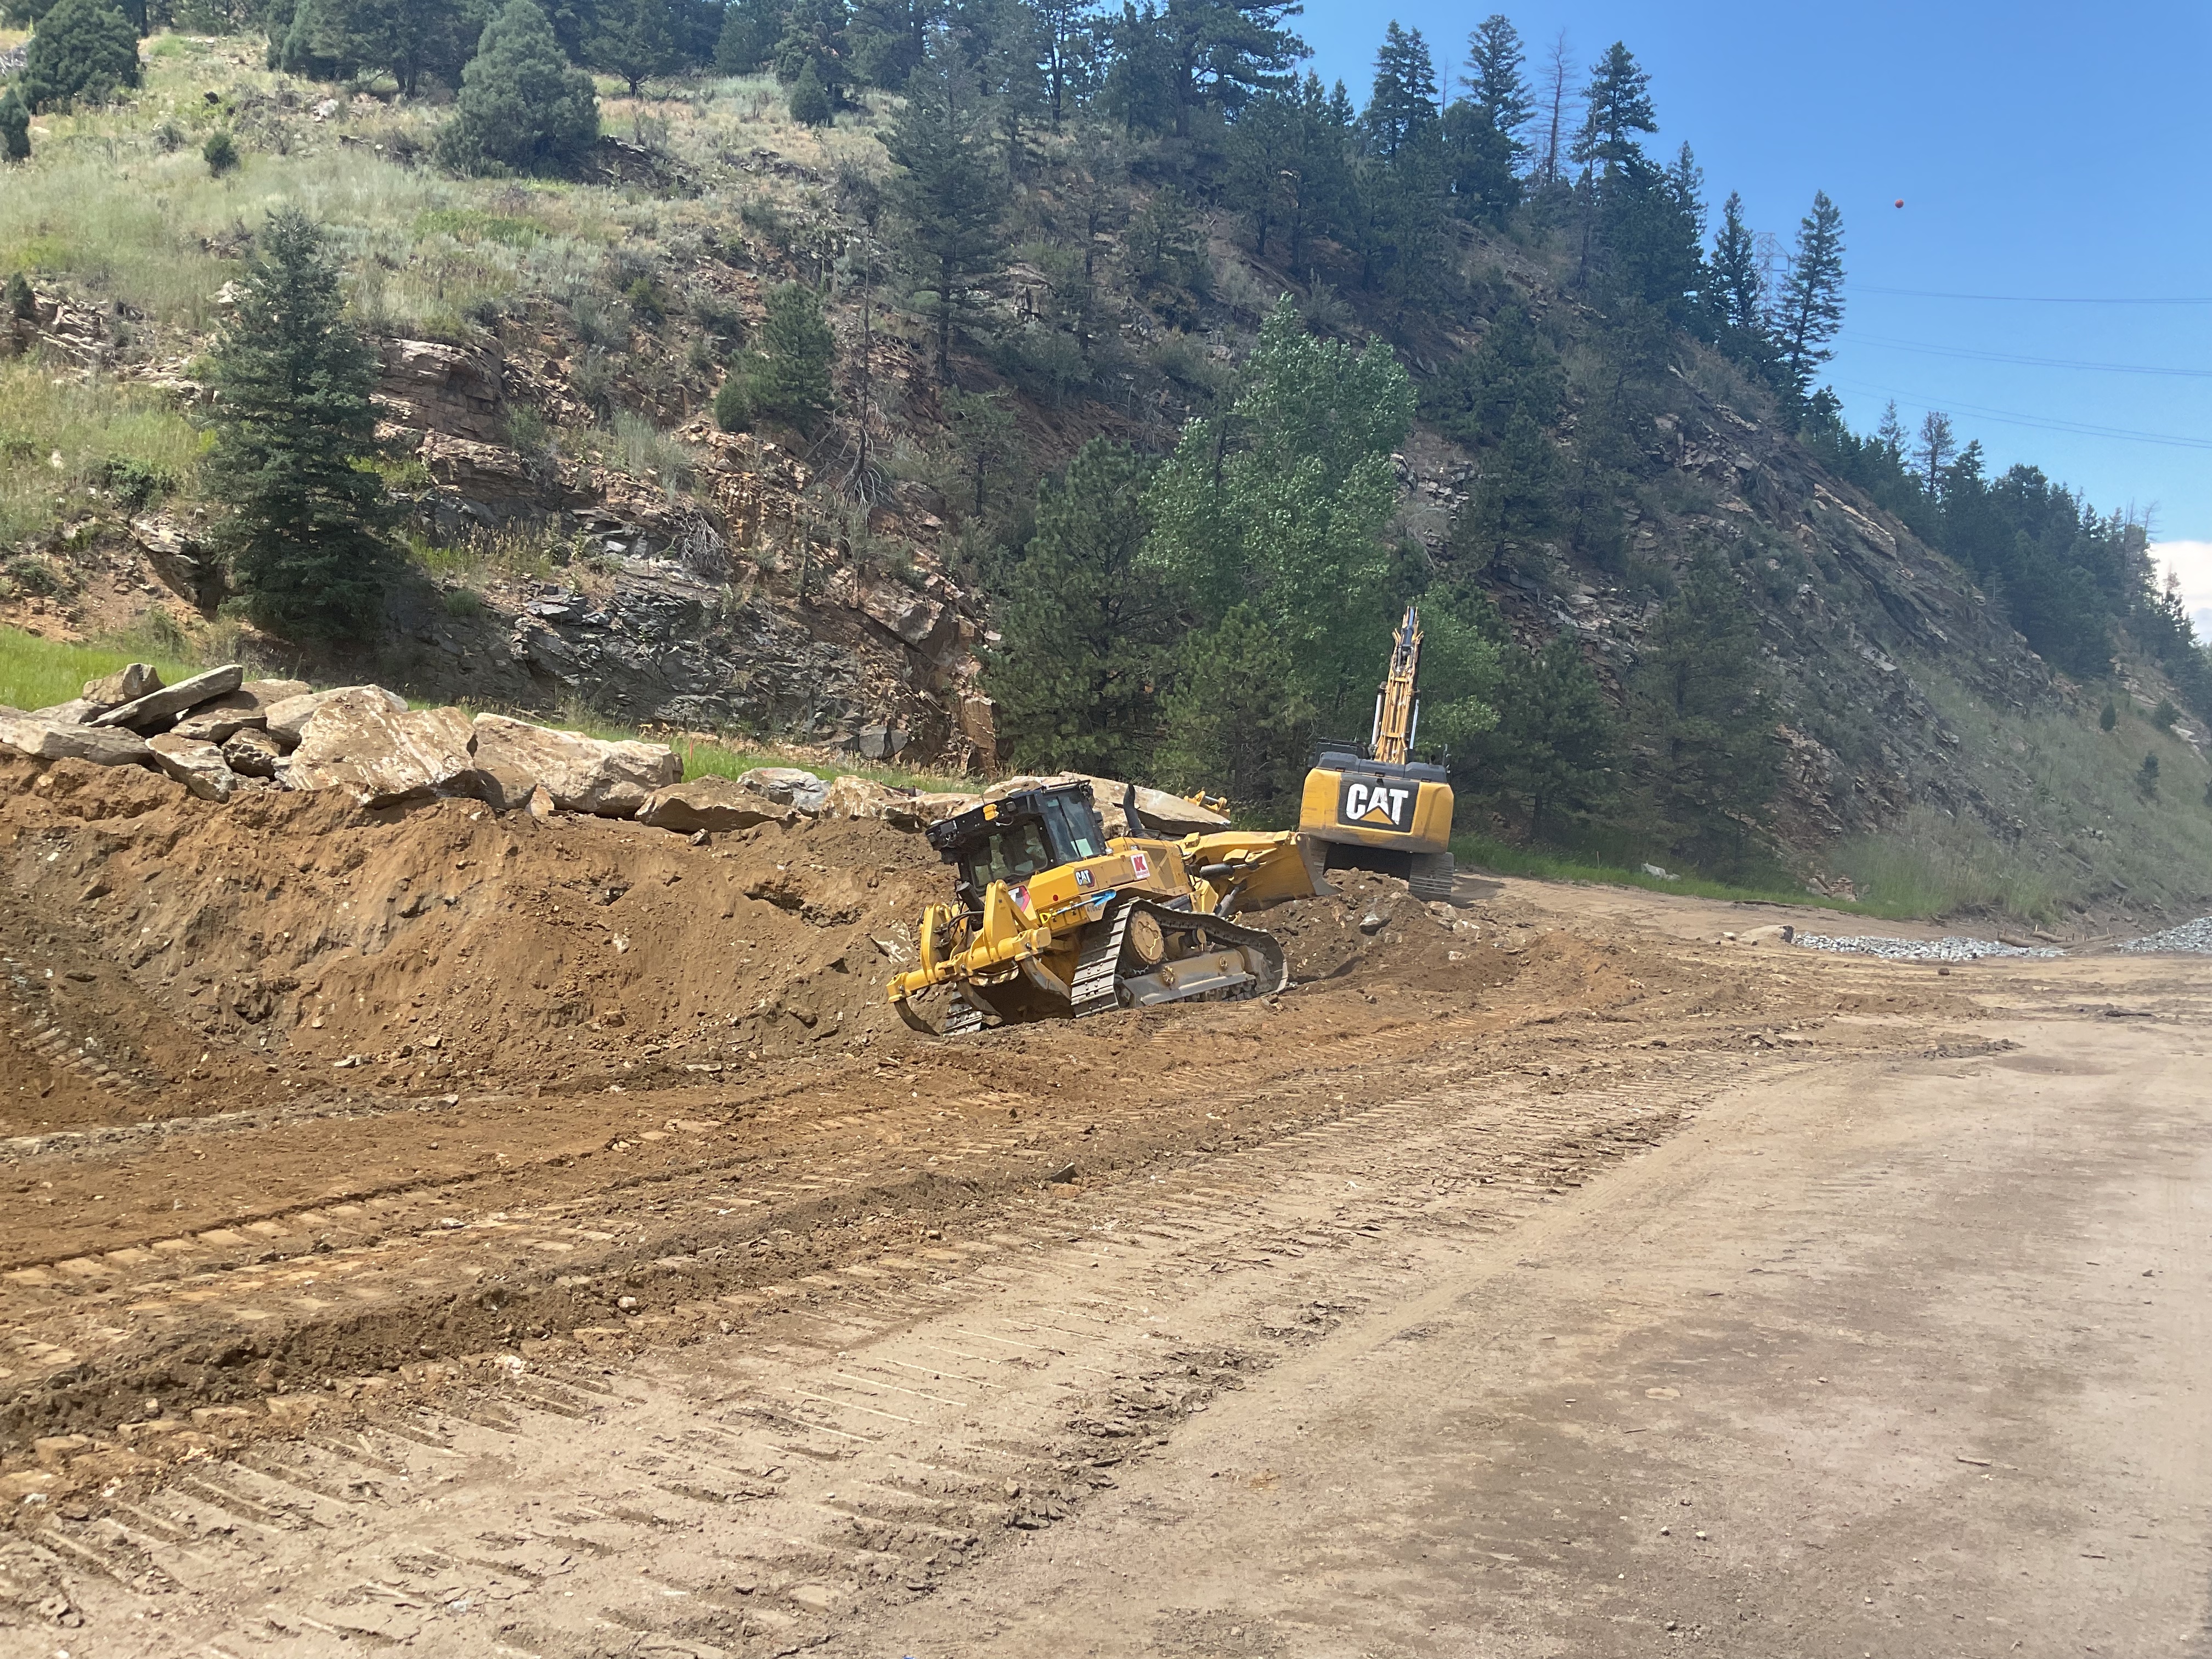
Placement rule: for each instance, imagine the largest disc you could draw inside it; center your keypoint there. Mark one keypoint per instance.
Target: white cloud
(2193, 562)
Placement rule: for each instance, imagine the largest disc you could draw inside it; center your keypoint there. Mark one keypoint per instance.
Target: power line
(2077, 428)
(2015, 357)
(2026, 299)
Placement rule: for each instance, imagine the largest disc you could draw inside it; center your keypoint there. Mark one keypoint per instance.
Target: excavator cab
(1377, 807)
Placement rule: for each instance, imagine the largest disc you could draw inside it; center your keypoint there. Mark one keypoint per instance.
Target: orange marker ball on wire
(1900, 201)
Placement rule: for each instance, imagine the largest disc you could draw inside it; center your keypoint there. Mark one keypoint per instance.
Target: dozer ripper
(1380, 809)
(1053, 919)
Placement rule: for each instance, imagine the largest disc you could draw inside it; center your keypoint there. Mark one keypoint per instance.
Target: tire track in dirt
(877, 1426)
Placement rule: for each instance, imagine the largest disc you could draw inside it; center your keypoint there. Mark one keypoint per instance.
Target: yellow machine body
(1055, 920)
(1380, 809)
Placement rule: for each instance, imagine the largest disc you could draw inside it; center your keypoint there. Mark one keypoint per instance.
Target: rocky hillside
(586, 540)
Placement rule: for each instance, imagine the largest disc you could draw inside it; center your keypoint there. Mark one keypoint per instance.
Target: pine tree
(1478, 163)
(1237, 722)
(1217, 55)
(1891, 435)
(750, 29)
(1495, 81)
(2147, 778)
(1938, 447)
(1812, 308)
(1084, 630)
(946, 188)
(1513, 372)
(295, 431)
(1287, 167)
(809, 98)
(1555, 739)
(984, 438)
(1701, 713)
(790, 378)
(2109, 716)
(412, 38)
(1405, 97)
(15, 127)
(82, 49)
(522, 105)
(1515, 507)
(634, 40)
(814, 32)
(1739, 286)
(887, 38)
(1617, 106)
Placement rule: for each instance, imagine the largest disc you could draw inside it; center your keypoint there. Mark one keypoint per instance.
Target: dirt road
(1534, 1279)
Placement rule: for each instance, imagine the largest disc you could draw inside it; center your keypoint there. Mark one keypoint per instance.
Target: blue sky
(2039, 150)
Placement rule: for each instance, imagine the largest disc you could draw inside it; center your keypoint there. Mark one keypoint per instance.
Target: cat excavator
(1052, 919)
(1377, 808)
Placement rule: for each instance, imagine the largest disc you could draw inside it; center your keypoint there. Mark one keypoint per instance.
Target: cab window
(1075, 827)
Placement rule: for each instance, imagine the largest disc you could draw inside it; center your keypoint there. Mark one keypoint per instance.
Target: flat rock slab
(713, 804)
(287, 718)
(45, 739)
(580, 773)
(235, 711)
(125, 684)
(786, 785)
(174, 700)
(198, 765)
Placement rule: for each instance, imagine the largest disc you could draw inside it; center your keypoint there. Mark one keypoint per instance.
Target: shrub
(464, 603)
(791, 376)
(82, 49)
(2109, 717)
(2147, 776)
(733, 404)
(220, 152)
(2165, 715)
(523, 106)
(133, 483)
(15, 127)
(22, 304)
(809, 98)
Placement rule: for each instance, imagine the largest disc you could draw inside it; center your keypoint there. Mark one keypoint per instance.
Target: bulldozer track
(845, 1438)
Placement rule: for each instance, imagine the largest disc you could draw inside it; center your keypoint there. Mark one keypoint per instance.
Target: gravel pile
(1950, 949)
(2193, 936)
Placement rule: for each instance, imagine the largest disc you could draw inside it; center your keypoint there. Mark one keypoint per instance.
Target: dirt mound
(287, 942)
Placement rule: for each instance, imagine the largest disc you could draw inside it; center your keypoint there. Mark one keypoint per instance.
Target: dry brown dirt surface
(444, 1231)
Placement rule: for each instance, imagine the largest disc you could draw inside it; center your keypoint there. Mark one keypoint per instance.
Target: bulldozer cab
(1019, 838)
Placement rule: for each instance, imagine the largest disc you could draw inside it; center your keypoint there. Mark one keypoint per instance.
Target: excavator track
(1234, 962)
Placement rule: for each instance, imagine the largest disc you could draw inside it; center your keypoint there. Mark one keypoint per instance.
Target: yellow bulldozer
(1051, 919)
(1378, 808)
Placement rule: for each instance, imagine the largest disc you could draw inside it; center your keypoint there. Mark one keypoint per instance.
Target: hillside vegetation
(1013, 385)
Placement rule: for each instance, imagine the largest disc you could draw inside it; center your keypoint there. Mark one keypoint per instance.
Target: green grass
(38, 674)
(86, 425)
(1499, 858)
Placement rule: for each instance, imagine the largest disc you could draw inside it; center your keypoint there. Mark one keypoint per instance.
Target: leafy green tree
(635, 40)
(15, 127)
(522, 106)
(1617, 106)
(1086, 630)
(1462, 667)
(1555, 741)
(295, 434)
(82, 49)
(1238, 722)
(1701, 714)
(1496, 83)
(946, 190)
(1812, 306)
(809, 98)
(750, 29)
(1281, 504)
(790, 378)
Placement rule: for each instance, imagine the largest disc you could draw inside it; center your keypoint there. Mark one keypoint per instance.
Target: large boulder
(287, 718)
(709, 803)
(581, 773)
(380, 755)
(786, 785)
(235, 711)
(47, 739)
(125, 684)
(200, 767)
(156, 709)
